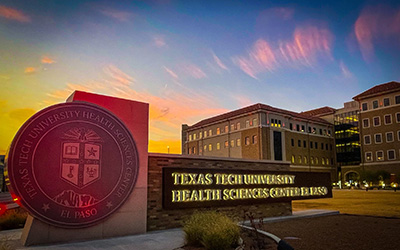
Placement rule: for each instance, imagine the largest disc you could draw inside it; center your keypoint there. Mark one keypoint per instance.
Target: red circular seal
(72, 164)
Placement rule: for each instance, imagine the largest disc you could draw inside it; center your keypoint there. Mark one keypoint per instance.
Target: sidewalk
(156, 240)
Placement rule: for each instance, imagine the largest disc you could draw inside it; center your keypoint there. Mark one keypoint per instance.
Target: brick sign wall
(159, 217)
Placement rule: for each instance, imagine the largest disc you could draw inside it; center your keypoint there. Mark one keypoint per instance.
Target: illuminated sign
(72, 164)
(190, 187)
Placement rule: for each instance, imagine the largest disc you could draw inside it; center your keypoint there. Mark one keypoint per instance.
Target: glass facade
(347, 137)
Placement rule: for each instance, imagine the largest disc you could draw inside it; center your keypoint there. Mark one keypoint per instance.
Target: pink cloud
(118, 74)
(307, 45)
(171, 73)
(194, 71)
(30, 70)
(219, 62)
(122, 16)
(159, 41)
(374, 25)
(14, 14)
(345, 71)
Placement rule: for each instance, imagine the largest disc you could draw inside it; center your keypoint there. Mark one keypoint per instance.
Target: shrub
(212, 230)
(11, 219)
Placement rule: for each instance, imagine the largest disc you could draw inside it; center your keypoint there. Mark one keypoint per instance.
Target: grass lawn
(376, 203)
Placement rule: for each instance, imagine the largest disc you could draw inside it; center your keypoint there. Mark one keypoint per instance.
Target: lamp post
(168, 149)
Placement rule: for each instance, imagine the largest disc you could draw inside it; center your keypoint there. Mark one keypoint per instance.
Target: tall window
(205, 148)
(389, 137)
(247, 141)
(238, 142)
(375, 104)
(297, 127)
(386, 102)
(255, 122)
(298, 143)
(391, 154)
(312, 160)
(226, 129)
(367, 139)
(364, 106)
(194, 136)
(218, 146)
(190, 137)
(292, 158)
(304, 144)
(232, 143)
(200, 135)
(299, 159)
(247, 123)
(254, 138)
(209, 147)
(232, 127)
(379, 155)
(388, 119)
(292, 140)
(226, 144)
(210, 132)
(205, 134)
(366, 123)
(377, 121)
(218, 131)
(316, 145)
(291, 126)
(305, 160)
(303, 128)
(238, 125)
(368, 156)
(311, 144)
(398, 117)
(397, 99)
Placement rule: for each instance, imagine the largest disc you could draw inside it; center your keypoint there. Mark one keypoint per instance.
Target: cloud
(159, 41)
(13, 14)
(122, 16)
(345, 71)
(308, 43)
(194, 71)
(171, 73)
(30, 70)
(243, 101)
(168, 110)
(47, 60)
(376, 24)
(218, 61)
(283, 13)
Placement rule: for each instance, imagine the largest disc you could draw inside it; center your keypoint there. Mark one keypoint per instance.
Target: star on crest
(92, 152)
(46, 207)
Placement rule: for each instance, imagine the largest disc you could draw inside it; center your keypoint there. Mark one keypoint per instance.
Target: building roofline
(380, 89)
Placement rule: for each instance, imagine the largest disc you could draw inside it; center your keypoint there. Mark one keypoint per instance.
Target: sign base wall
(131, 217)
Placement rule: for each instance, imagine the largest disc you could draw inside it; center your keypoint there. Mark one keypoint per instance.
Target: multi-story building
(380, 128)
(260, 131)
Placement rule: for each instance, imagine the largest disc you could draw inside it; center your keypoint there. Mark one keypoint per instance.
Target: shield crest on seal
(81, 157)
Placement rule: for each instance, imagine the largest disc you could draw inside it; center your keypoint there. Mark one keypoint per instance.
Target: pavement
(172, 239)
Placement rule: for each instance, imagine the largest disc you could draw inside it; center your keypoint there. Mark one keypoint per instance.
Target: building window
(305, 160)
(368, 156)
(297, 127)
(309, 129)
(378, 138)
(226, 129)
(205, 148)
(298, 143)
(377, 121)
(322, 146)
(190, 137)
(194, 136)
(330, 146)
(254, 139)
(247, 123)
(397, 99)
(218, 146)
(386, 102)
(232, 143)
(304, 144)
(210, 132)
(375, 104)
(292, 141)
(247, 141)
(326, 146)
(311, 144)
(190, 151)
(200, 150)
(312, 160)
(205, 134)
(398, 117)
(316, 160)
(316, 145)
(291, 126)
(398, 135)
(303, 128)
(238, 142)
(209, 147)
(218, 131)
(389, 137)
(391, 154)
(366, 123)
(255, 122)
(226, 144)
(388, 119)
(329, 132)
(379, 155)
(367, 139)
(322, 160)
(320, 131)
(232, 127)
(238, 125)
(299, 159)
(194, 150)
(364, 106)
(314, 130)
(200, 135)
(293, 158)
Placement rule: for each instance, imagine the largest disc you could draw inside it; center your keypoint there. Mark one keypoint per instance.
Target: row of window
(376, 121)
(312, 144)
(247, 141)
(378, 138)
(391, 155)
(375, 104)
(313, 130)
(225, 129)
(313, 160)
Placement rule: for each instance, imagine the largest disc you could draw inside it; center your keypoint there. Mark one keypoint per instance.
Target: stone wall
(159, 218)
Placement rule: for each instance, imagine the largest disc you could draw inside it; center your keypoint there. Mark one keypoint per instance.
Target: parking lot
(352, 201)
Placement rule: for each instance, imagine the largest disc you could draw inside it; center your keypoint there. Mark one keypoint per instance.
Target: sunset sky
(193, 59)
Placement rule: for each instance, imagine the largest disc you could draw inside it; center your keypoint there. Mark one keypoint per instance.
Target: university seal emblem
(72, 164)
